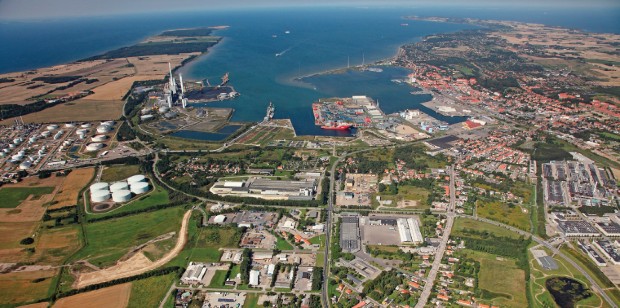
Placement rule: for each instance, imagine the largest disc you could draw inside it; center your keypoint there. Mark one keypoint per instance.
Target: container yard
(345, 113)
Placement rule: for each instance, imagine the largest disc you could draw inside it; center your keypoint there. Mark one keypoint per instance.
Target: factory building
(303, 189)
(409, 231)
(254, 278)
(194, 273)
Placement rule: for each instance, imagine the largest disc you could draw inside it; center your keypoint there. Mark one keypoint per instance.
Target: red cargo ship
(336, 126)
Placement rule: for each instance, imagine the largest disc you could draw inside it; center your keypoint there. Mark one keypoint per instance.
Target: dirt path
(135, 265)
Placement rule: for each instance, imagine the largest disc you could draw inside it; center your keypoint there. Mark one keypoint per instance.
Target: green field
(148, 292)
(119, 172)
(465, 223)
(109, 240)
(204, 243)
(219, 278)
(502, 278)
(319, 239)
(282, 244)
(502, 212)
(251, 301)
(13, 196)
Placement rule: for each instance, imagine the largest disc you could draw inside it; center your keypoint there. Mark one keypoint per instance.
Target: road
(428, 286)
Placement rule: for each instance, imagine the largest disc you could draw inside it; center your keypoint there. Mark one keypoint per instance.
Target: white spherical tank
(118, 186)
(121, 196)
(136, 178)
(139, 187)
(99, 195)
(99, 138)
(99, 186)
(102, 129)
(95, 146)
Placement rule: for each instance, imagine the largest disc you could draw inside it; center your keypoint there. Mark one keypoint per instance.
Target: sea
(308, 41)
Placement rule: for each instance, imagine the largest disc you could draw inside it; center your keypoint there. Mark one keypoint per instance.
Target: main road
(428, 286)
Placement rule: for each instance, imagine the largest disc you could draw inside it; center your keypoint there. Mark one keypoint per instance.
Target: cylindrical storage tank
(95, 146)
(108, 123)
(85, 125)
(25, 165)
(45, 134)
(136, 178)
(99, 195)
(32, 139)
(99, 138)
(69, 125)
(121, 196)
(99, 186)
(17, 140)
(139, 187)
(102, 129)
(57, 135)
(17, 157)
(52, 127)
(118, 186)
(2, 154)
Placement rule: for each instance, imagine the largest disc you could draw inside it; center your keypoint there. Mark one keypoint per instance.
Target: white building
(194, 273)
(254, 278)
(409, 231)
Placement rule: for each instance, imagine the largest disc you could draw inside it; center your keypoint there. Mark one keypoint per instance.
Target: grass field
(408, 192)
(12, 196)
(111, 297)
(55, 245)
(502, 277)
(501, 212)
(218, 280)
(24, 287)
(251, 301)
(148, 292)
(465, 223)
(108, 240)
(13, 232)
(119, 172)
(282, 244)
(319, 239)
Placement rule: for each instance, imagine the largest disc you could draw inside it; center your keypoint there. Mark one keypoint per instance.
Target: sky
(45, 9)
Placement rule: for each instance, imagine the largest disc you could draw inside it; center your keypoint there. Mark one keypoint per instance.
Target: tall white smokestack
(181, 82)
(173, 86)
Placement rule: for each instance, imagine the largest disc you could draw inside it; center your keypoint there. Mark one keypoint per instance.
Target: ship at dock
(270, 111)
(337, 126)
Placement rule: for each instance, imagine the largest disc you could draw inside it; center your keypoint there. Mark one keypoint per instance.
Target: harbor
(347, 113)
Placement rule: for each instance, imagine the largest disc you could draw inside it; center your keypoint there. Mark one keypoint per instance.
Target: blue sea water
(320, 39)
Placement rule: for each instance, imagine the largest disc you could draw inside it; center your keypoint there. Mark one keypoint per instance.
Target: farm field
(110, 297)
(148, 292)
(501, 212)
(71, 186)
(119, 172)
(461, 224)
(79, 110)
(12, 196)
(12, 286)
(507, 291)
(109, 240)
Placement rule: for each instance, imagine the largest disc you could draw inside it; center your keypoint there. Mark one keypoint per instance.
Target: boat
(404, 24)
(337, 126)
(287, 32)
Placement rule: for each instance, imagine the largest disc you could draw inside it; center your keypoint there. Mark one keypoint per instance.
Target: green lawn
(282, 244)
(408, 192)
(219, 279)
(465, 223)
(107, 241)
(119, 172)
(251, 301)
(13, 196)
(150, 291)
(319, 239)
(320, 259)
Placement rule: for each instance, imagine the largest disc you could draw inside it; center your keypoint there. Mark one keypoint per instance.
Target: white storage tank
(121, 196)
(136, 178)
(25, 165)
(57, 135)
(118, 186)
(99, 138)
(17, 140)
(17, 157)
(52, 127)
(108, 123)
(99, 186)
(95, 146)
(99, 195)
(102, 129)
(139, 187)
(69, 125)
(85, 125)
(45, 134)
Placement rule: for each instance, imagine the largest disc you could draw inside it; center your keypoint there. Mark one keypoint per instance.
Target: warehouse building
(409, 231)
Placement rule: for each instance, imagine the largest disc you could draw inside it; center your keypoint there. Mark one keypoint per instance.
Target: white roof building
(254, 278)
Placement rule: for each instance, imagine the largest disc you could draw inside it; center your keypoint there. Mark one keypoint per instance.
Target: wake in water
(283, 52)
